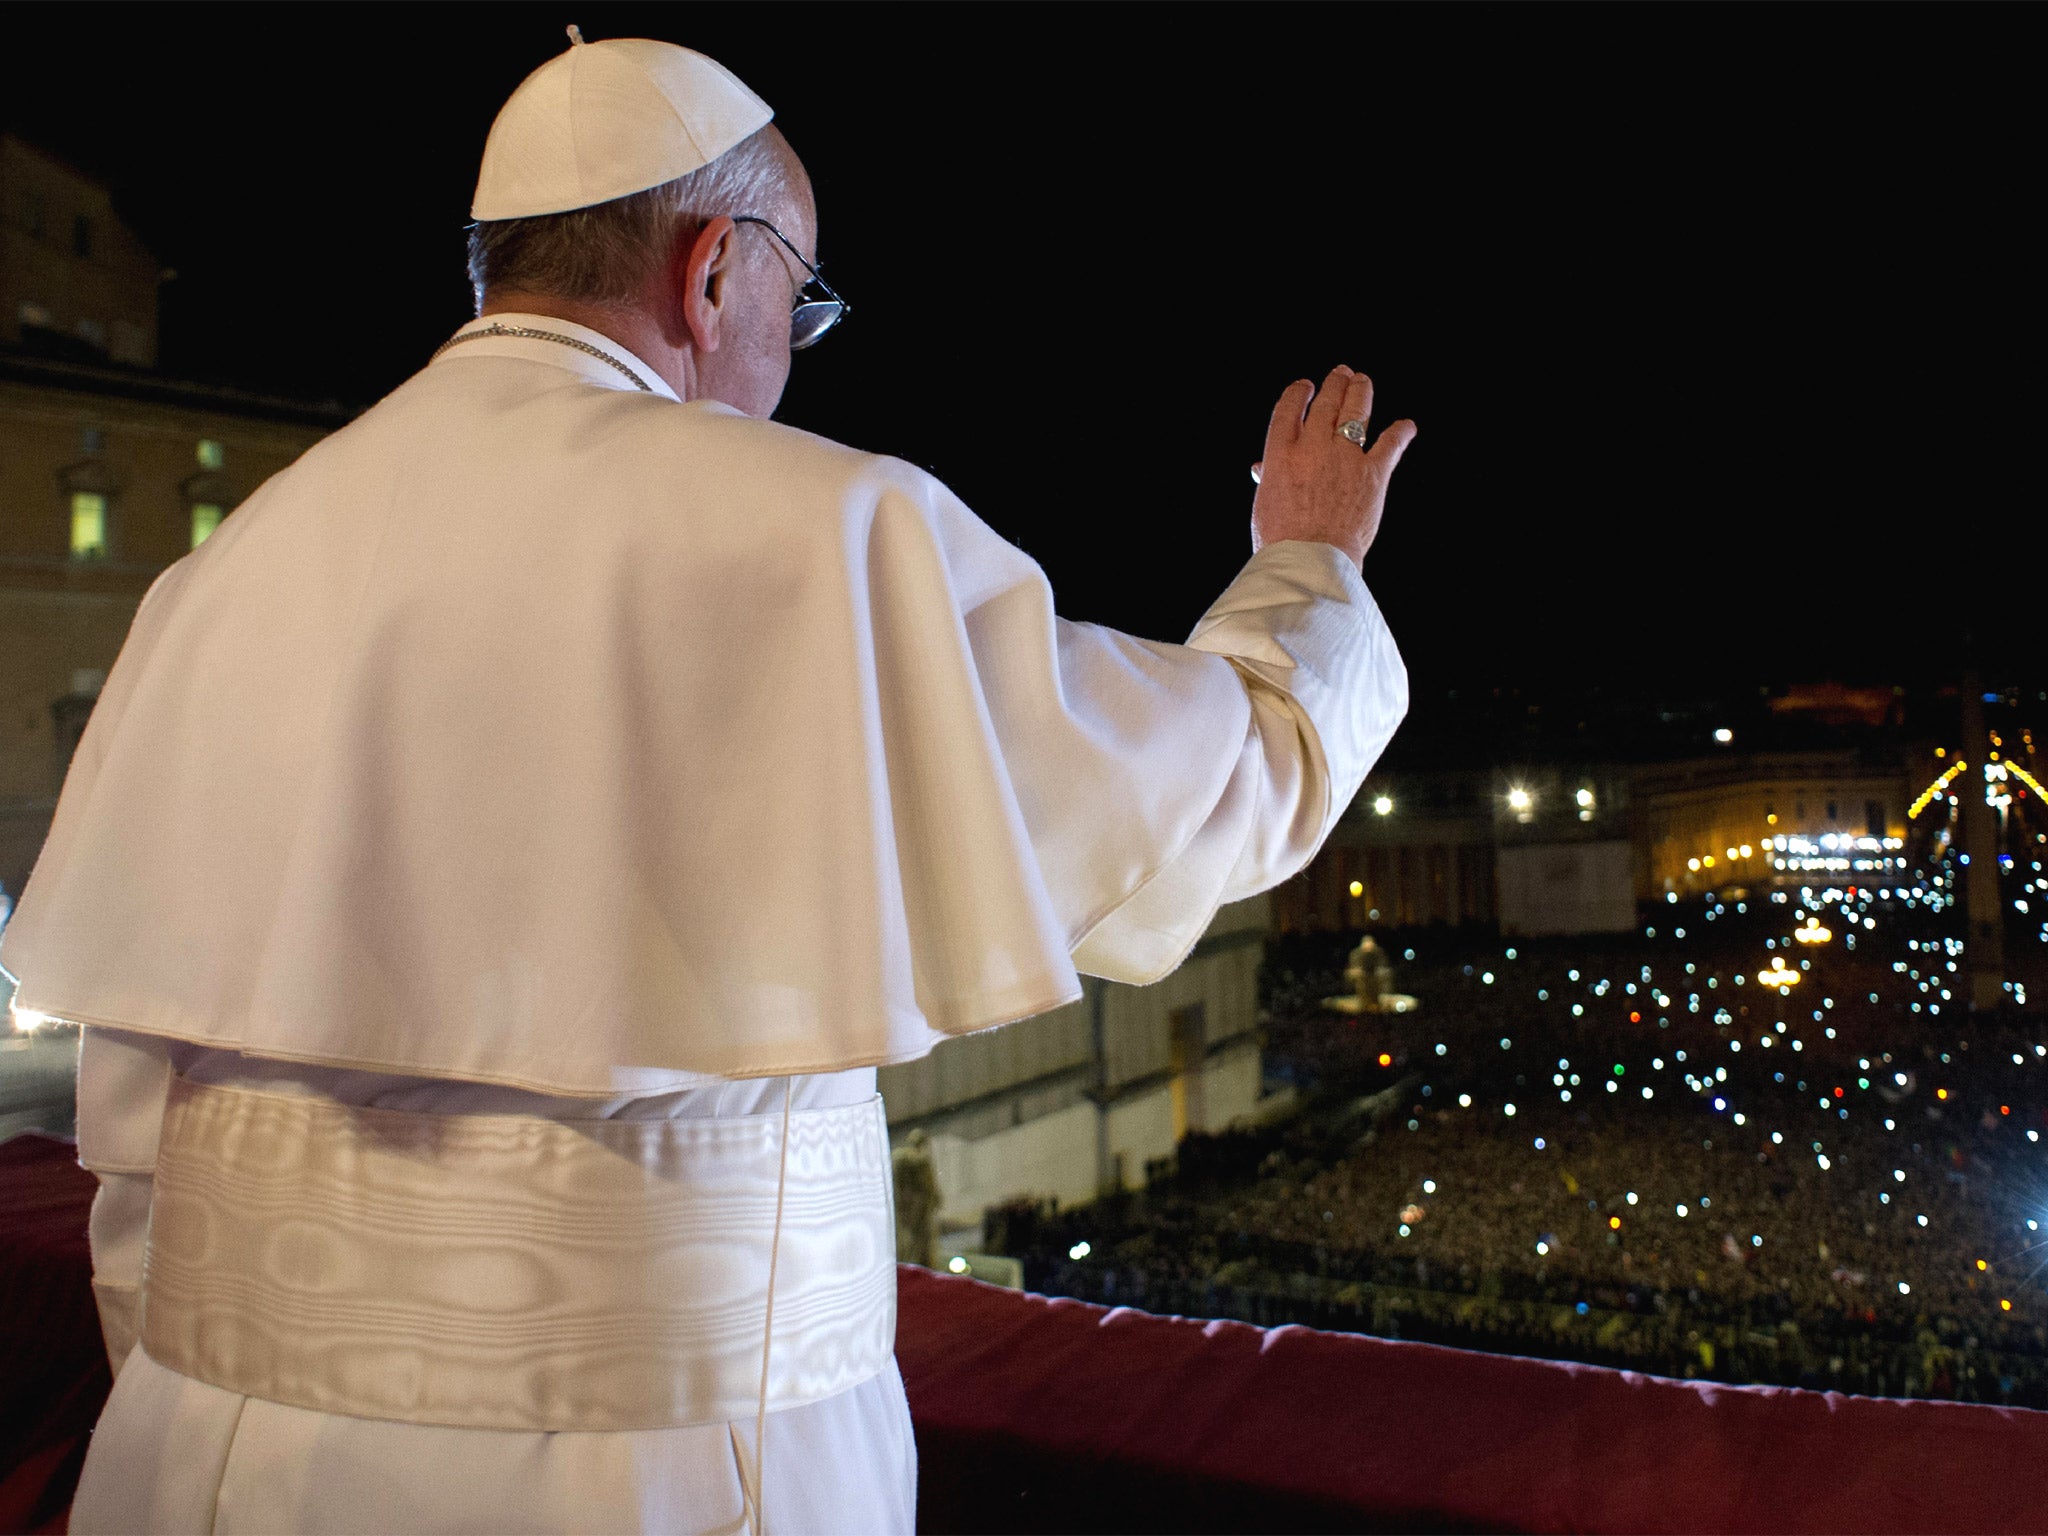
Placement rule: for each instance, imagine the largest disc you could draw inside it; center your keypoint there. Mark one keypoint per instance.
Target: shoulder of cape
(859, 480)
(782, 460)
(653, 421)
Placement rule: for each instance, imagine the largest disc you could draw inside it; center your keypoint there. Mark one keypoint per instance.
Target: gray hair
(604, 254)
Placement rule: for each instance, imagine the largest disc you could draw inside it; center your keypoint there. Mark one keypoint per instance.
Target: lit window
(205, 518)
(88, 525)
(211, 454)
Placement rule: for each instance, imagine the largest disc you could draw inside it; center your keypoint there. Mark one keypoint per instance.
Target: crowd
(1617, 1152)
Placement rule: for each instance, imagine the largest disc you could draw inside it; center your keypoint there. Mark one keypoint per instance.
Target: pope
(503, 853)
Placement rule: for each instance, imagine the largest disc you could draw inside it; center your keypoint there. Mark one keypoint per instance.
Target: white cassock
(498, 861)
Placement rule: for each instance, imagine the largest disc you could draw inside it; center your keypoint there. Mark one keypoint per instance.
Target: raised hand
(1314, 482)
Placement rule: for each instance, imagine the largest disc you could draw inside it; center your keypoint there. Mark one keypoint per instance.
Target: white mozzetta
(534, 730)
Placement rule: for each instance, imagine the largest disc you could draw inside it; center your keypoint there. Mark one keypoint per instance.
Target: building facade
(109, 470)
(74, 279)
(1451, 846)
(1777, 818)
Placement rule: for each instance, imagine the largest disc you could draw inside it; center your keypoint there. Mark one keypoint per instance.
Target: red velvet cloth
(53, 1363)
(1038, 1413)
(1045, 1414)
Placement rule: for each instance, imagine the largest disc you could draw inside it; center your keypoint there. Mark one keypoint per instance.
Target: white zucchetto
(610, 118)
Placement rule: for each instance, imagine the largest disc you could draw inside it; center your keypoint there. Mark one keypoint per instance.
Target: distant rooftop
(33, 365)
(1463, 728)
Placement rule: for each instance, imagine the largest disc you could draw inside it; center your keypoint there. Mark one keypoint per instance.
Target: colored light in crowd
(1383, 805)
(1386, 1060)
(2004, 1305)
(1357, 888)
(1941, 1093)
(1614, 1222)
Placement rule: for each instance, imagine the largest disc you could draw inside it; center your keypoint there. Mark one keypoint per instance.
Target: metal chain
(495, 329)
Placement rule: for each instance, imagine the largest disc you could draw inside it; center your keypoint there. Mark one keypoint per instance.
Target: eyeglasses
(809, 319)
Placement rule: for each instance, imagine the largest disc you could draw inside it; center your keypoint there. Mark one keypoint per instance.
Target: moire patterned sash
(513, 1272)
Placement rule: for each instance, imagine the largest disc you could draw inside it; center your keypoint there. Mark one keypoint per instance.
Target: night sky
(1719, 323)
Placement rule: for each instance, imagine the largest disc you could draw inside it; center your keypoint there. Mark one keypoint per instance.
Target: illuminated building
(1573, 847)
(109, 471)
(1796, 813)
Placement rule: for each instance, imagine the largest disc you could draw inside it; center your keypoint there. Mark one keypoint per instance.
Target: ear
(706, 262)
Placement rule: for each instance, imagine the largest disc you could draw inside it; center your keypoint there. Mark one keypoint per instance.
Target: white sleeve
(122, 1082)
(1158, 780)
(1327, 688)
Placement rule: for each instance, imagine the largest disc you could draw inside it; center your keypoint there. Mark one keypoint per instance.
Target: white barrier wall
(1052, 1156)
(1032, 1109)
